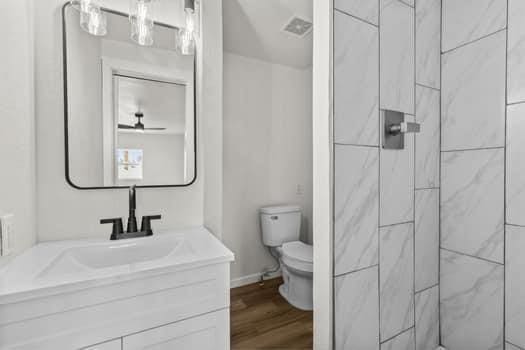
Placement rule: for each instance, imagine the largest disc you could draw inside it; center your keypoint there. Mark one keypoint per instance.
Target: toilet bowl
(297, 268)
(281, 230)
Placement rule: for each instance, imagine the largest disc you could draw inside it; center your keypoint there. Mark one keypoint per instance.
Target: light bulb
(141, 21)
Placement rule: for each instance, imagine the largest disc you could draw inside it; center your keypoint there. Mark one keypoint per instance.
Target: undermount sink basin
(123, 253)
(113, 254)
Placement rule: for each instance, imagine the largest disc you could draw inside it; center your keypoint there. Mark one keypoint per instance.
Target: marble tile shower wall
(483, 168)
(515, 179)
(386, 228)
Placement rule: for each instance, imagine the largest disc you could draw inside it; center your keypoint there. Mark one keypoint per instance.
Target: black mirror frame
(66, 109)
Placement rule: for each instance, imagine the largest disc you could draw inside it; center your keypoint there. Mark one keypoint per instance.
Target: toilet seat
(298, 256)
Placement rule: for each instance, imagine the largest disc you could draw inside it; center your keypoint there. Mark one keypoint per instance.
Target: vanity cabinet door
(207, 332)
(110, 345)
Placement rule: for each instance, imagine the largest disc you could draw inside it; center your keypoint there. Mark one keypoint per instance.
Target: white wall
(66, 213)
(322, 116)
(163, 157)
(17, 177)
(210, 72)
(267, 152)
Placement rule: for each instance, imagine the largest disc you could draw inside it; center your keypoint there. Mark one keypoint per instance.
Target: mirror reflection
(130, 108)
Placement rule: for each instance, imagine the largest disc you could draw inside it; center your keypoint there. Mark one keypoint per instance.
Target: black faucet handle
(146, 223)
(117, 229)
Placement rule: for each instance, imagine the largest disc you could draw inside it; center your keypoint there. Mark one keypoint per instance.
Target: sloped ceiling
(253, 28)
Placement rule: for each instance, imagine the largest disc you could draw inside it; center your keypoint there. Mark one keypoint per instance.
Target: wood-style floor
(262, 319)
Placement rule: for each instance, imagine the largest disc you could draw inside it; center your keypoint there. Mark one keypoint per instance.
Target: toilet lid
(298, 251)
(281, 209)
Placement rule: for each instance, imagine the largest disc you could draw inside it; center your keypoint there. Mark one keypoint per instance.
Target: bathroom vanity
(168, 291)
(130, 122)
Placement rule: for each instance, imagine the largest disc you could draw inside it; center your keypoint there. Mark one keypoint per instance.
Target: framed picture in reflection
(130, 164)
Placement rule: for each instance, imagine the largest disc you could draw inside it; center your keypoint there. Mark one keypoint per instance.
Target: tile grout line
(355, 271)
(397, 224)
(473, 149)
(354, 145)
(473, 41)
(404, 3)
(508, 342)
(355, 17)
(414, 155)
(379, 176)
(440, 338)
(426, 86)
(332, 178)
(505, 178)
(515, 103)
(427, 288)
(472, 256)
(515, 225)
(397, 335)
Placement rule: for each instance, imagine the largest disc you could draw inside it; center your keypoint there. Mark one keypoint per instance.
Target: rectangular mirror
(129, 109)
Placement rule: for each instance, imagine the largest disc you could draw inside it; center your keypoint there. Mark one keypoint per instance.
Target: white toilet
(280, 231)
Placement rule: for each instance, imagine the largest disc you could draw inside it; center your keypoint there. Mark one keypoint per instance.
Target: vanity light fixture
(185, 40)
(82, 5)
(141, 19)
(92, 19)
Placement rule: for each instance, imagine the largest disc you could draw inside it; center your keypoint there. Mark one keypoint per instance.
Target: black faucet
(132, 219)
(132, 229)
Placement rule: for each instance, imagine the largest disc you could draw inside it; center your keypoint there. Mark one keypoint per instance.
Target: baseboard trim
(249, 279)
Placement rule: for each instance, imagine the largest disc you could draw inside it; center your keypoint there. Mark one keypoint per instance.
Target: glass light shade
(190, 19)
(193, 18)
(82, 5)
(92, 19)
(197, 17)
(141, 19)
(185, 42)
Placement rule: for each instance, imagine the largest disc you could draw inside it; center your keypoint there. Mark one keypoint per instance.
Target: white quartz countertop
(63, 266)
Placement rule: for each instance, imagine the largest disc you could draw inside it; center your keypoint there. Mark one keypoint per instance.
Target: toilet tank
(280, 224)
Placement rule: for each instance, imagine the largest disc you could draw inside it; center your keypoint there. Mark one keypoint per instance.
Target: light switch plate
(6, 232)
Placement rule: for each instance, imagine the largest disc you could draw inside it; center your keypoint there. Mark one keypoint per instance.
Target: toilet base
(297, 290)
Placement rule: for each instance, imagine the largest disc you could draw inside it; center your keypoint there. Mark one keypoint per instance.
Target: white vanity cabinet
(203, 333)
(178, 301)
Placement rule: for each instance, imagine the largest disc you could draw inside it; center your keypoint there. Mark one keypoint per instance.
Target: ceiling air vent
(298, 26)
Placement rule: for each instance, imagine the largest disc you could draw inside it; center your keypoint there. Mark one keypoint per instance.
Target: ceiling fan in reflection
(139, 126)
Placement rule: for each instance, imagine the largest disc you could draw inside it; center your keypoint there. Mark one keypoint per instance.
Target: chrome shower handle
(404, 128)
